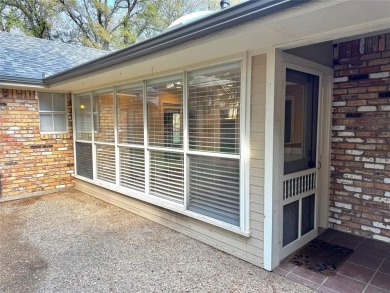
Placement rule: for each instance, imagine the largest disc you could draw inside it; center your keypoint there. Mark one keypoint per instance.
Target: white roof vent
(186, 19)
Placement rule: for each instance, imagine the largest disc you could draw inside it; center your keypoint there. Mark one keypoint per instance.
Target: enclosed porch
(250, 140)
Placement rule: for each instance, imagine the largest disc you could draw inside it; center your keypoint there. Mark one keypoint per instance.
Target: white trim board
(269, 220)
(274, 123)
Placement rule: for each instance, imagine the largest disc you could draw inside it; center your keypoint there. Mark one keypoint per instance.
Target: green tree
(167, 11)
(170, 10)
(32, 17)
(102, 24)
(111, 24)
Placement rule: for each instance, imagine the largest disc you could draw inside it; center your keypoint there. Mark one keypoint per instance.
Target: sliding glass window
(172, 140)
(83, 134)
(104, 135)
(214, 133)
(130, 128)
(165, 132)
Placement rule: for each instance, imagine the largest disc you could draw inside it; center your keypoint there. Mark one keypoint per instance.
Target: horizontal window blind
(130, 115)
(83, 112)
(103, 108)
(132, 168)
(167, 175)
(84, 163)
(165, 108)
(215, 188)
(105, 163)
(214, 109)
(212, 187)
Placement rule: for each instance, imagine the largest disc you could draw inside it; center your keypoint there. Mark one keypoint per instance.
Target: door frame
(325, 75)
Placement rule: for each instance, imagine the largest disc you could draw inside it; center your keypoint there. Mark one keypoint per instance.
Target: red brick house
(250, 129)
(36, 156)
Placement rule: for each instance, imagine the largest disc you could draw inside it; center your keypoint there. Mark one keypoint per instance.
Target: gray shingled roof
(28, 58)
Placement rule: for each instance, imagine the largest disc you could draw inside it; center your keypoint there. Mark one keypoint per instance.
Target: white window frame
(89, 94)
(150, 148)
(242, 156)
(65, 113)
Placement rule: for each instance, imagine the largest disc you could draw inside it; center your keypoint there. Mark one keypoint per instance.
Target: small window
(52, 113)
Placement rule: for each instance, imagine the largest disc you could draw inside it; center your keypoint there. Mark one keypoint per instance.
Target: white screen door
(300, 180)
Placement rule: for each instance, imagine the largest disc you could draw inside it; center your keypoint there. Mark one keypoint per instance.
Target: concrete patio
(71, 242)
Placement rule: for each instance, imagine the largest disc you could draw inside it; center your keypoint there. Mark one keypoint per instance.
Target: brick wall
(31, 162)
(360, 178)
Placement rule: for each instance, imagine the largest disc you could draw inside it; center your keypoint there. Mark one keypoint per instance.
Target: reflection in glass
(176, 128)
(300, 128)
(83, 118)
(165, 105)
(293, 135)
(130, 109)
(103, 108)
(214, 109)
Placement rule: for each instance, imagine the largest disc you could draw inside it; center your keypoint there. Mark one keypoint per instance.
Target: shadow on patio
(71, 242)
(366, 270)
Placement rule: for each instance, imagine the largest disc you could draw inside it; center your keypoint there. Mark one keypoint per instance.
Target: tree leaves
(102, 24)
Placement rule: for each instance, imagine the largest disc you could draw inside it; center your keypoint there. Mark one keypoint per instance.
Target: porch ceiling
(310, 23)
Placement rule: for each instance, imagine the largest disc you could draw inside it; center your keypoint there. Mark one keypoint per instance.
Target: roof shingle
(24, 57)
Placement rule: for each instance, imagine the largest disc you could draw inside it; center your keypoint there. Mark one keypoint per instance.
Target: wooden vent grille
(299, 185)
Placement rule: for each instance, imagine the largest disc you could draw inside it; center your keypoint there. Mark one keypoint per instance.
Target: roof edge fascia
(20, 82)
(221, 20)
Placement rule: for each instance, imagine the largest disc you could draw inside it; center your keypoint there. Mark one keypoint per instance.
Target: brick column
(360, 177)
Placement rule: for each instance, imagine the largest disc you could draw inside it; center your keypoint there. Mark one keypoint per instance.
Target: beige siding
(247, 248)
(257, 136)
